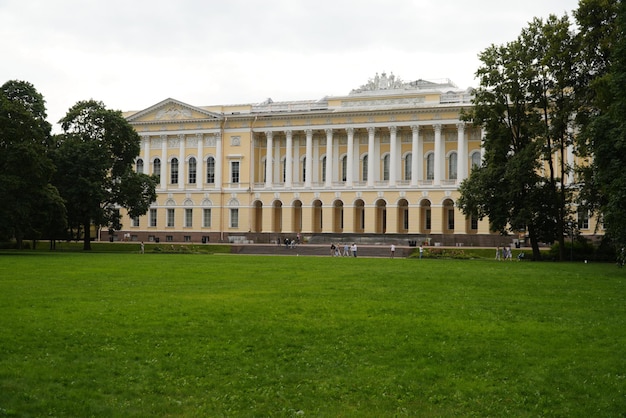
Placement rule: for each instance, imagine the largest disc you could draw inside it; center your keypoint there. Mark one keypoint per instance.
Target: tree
(524, 104)
(25, 166)
(95, 169)
(602, 98)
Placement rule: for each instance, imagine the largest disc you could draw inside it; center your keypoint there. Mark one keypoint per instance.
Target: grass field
(188, 335)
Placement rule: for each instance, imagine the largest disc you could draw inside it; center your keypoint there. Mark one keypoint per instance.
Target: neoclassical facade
(385, 159)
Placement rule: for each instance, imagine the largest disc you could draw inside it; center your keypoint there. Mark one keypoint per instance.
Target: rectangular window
(153, 217)
(210, 170)
(234, 172)
(234, 218)
(170, 217)
(474, 223)
(187, 238)
(188, 218)
(169, 238)
(583, 218)
(135, 221)
(206, 218)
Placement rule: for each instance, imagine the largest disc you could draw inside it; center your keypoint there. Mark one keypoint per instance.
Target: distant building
(385, 159)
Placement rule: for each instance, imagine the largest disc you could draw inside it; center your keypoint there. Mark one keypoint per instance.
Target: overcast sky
(132, 54)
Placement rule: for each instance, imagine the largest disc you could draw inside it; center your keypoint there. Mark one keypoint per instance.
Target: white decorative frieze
(172, 113)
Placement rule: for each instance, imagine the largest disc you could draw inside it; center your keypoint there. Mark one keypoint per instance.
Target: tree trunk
(534, 244)
(87, 239)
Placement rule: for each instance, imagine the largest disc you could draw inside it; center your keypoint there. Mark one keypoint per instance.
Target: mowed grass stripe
(215, 335)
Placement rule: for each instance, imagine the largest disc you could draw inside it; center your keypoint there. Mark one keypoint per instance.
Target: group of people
(503, 253)
(335, 250)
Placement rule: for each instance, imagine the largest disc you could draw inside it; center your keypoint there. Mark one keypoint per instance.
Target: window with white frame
(188, 217)
(210, 170)
(174, 171)
(153, 217)
(206, 217)
(234, 172)
(234, 218)
(583, 218)
(156, 168)
(140, 166)
(452, 166)
(192, 170)
(386, 167)
(430, 167)
(170, 218)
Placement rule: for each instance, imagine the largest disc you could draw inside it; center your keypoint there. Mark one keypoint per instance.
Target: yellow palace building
(386, 159)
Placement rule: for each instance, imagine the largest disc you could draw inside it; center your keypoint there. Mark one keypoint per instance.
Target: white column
(393, 155)
(200, 163)
(439, 156)
(350, 157)
(461, 158)
(289, 159)
(219, 158)
(308, 167)
(329, 158)
(278, 175)
(146, 154)
(415, 155)
(163, 161)
(268, 159)
(370, 156)
(182, 163)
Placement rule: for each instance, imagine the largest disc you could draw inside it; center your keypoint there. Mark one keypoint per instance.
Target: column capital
(371, 130)
(460, 126)
(288, 133)
(416, 128)
(309, 132)
(437, 127)
(269, 134)
(393, 129)
(350, 131)
(328, 131)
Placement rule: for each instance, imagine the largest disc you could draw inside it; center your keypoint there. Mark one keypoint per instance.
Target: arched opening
(448, 216)
(297, 216)
(426, 216)
(381, 217)
(317, 216)
(403, 216)
(338, 216)
(359, 216)
(277, 216)
(257, 223)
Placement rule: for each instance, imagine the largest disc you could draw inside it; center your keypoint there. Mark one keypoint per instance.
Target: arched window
(430, 166)
(476, 159)
(284, 164)
(344, 168)
(452, 166)
(156, 168)
(140, 166)
(304, 169)
(174, 172)
(364, 172)
(210, 170)
(323, 169)
(408, 161)
(192, 170)
(386, 167)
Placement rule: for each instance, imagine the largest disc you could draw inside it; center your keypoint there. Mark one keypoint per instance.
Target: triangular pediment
(171, 110)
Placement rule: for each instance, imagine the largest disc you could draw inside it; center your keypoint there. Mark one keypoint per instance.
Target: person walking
(393, 250)
(353, 248)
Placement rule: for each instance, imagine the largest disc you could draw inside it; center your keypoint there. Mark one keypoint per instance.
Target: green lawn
(196, 335)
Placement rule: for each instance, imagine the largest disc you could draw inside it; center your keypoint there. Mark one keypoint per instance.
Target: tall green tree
(524, 104)
(95, 174)
(28, 198)
(602, 95)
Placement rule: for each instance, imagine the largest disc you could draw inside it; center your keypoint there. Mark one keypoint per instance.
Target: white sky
(132, 54)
